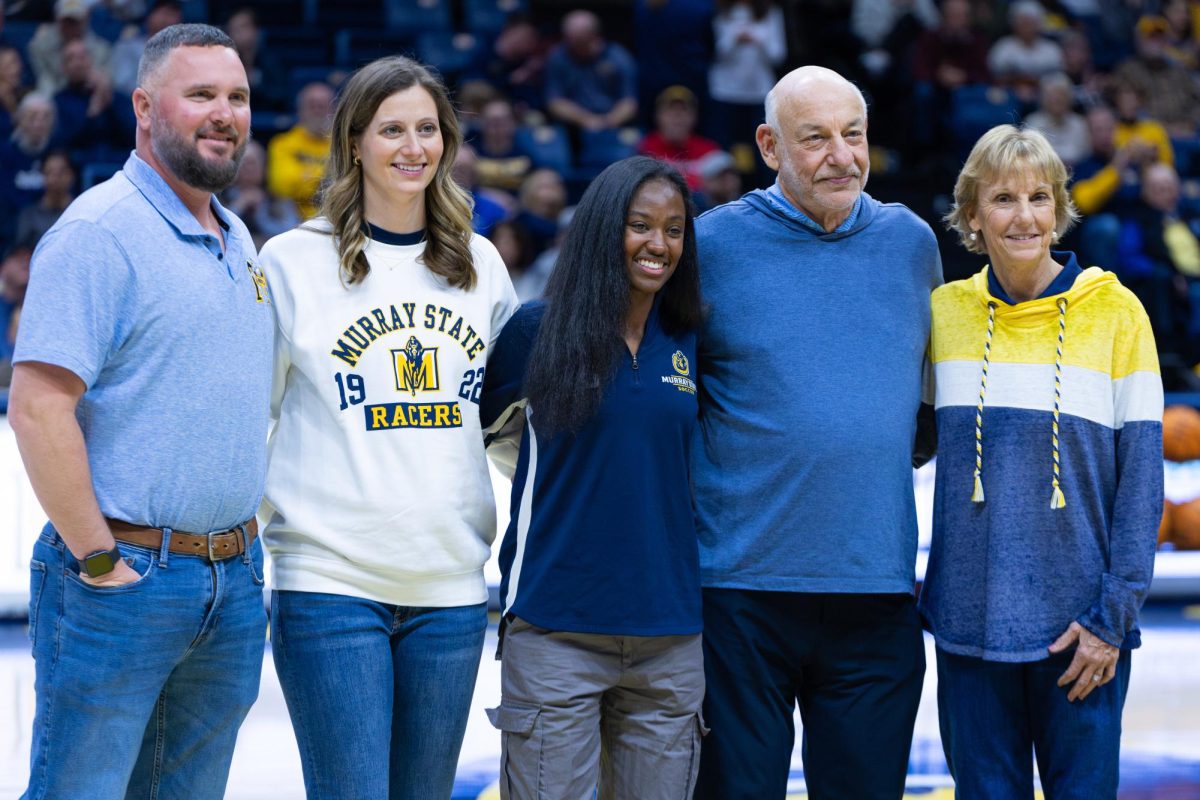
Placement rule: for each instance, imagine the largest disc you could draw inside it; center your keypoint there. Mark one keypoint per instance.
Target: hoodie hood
(1034, 312)
(761, 201)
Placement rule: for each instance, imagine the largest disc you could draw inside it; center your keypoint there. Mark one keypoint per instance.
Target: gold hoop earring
(357, 161)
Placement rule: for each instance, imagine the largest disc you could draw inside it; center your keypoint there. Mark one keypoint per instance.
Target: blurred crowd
(551, 93)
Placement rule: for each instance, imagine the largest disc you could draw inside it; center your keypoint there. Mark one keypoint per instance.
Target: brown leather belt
(213, 546)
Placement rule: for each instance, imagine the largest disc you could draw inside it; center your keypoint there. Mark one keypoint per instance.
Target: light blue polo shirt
(173, 338)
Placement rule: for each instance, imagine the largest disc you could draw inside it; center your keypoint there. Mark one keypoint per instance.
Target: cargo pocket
(520, 749)
(699, 731)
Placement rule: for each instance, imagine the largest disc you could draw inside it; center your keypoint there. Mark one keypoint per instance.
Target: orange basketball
(1165, 524)
(1181, 433)
(1185, 525)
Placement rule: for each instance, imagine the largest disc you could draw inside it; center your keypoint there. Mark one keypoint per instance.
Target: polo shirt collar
(163, 198)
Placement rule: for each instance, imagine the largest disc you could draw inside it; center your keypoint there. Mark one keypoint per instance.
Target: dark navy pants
(853, 662)
(994, 716)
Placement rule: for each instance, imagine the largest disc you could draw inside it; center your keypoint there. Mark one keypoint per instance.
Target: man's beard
(182, 157)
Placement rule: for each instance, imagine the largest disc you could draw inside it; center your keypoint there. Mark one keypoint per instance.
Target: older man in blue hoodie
(811, 378)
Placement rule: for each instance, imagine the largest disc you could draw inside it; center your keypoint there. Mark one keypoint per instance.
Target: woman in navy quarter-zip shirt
(600, 591)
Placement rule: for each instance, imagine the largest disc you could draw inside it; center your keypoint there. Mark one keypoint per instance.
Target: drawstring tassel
(1057, 500)
(977, 495)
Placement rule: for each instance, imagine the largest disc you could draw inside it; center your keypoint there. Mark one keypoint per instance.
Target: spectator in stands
(673, 45)
(674, 138)
(127, 52)
(518, 63)
(486, 210)
(14, 278)
(1079, 67)
(874, 21)
(1107, 184)
(1160, 261)
(12, 87)
(268, 80)
(945, 58)
(87, 123)
(542, 198)
(1020, 60)
(502, 163)
(591, 83)
(59, 179)
(750, 41)
(515, 247)
(21, 181)
(1183, 32)
(1169, 90)
(1134, 123)
(45, 49)
(720, 181)
(531, 284)
(296, 158)
(887, 33)
(265, 215)
(1066, 130)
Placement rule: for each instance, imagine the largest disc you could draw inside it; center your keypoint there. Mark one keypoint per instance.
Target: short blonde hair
(1003, 150)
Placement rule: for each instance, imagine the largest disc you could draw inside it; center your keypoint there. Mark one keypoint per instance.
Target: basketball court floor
(1160, 757)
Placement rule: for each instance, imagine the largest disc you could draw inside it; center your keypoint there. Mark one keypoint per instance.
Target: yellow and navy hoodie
(1049, 471)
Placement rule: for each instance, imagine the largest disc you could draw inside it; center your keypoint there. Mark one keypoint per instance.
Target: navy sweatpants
(854, 663)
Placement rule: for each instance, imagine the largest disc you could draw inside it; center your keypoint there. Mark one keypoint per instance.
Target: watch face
(98, 564)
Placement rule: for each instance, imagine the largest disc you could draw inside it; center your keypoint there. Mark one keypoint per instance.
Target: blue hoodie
(811, 363)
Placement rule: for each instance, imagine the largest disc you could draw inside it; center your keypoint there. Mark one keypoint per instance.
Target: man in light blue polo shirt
(139, 399)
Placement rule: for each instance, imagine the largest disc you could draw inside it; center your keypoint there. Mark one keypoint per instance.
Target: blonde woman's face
(1016, 216)
(401, 148)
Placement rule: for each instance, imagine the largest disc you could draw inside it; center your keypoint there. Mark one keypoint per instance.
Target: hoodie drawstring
(977, 496)
(1056, 497)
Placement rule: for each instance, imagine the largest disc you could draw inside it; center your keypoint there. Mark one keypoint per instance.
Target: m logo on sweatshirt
(416, 368)
(680, 363)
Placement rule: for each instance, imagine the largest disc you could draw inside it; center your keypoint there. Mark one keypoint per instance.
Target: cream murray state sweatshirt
(377, 483)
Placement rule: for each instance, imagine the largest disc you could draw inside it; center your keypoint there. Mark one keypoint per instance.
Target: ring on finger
(1095, 678)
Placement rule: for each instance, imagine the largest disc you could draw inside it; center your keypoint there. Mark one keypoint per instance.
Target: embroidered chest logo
(416, 368)
(680, 363)
(681, 381)
(260, 282)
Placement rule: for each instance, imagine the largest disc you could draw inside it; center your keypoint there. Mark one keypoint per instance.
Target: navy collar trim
(1063, 281)
(389, 237)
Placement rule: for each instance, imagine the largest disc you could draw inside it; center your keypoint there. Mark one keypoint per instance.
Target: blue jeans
(994, 716)
(141, 688)
(378, 694)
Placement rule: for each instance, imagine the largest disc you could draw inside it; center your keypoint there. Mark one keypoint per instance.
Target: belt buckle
(212, 557)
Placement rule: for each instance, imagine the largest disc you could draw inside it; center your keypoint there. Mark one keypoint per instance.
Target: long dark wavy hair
(581, 339)
(447, 206)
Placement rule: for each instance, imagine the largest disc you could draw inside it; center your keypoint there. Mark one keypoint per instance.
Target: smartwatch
(100, 563)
